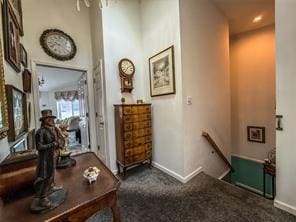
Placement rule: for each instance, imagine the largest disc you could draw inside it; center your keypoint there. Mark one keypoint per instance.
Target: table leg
(263, 182)
(116, 213)
(273, 188)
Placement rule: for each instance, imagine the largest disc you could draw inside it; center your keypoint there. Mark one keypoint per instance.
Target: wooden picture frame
(16, 6)
(256, 134)
(3, 101)
(17, 113)
(27, 81)
(162, 73)
(24, 56)
(11, 36)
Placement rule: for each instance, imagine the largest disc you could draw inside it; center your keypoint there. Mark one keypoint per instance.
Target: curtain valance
(66, 95)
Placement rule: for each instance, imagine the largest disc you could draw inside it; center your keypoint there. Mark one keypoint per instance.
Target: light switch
(189, 100)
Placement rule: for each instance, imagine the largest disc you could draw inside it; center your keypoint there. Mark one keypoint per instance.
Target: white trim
(193, 174)
(285, 207)
(248, 158)
(176, 175)
(252, 189)
(224, 174)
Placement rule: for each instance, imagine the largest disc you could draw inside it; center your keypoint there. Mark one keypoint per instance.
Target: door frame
(100, 65)
(35, 92)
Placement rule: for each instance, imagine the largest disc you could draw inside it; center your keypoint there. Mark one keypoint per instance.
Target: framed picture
(256, 134)
(3, 101)
(24, 56)
(16, 6)
(11, 37)
(17, 113)
(162, 73)
(27, 81)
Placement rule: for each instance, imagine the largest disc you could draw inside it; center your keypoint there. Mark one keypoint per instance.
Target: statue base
(65, 161)
(56, 199)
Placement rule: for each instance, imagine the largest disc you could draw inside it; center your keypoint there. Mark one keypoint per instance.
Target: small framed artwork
(162, 73)
(17, 113)
(24, 56)
(27, 81)
(11, 37)
(256, 134)
(16, 6)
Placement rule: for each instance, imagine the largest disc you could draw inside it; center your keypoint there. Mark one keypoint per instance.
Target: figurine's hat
(46, 114)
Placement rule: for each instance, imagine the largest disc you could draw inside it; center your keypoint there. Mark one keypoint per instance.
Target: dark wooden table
(83, 199)
(270, 170)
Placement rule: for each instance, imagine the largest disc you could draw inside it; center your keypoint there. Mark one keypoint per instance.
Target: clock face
(58, 44)
(127, 67)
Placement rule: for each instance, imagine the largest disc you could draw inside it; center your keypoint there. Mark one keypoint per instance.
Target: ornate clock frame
(49, 52)
(126, 80)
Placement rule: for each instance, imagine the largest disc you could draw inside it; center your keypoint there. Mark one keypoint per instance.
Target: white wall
(205, 67)
(286, 104)
(15, 79)
(40, 15)
(122, 39)
(160, 29)
(252, 59)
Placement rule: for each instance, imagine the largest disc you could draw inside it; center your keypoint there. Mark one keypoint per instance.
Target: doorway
(65, 92)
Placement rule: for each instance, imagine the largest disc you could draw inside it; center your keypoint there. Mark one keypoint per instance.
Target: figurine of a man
(48, 143)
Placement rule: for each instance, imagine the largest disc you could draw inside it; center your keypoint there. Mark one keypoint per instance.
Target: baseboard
(224, 174)
(252, 189)
(193, 174)
(176, 175)
(286, 207)
(248, 158)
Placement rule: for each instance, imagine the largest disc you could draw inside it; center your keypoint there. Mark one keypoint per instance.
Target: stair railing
(216, 148)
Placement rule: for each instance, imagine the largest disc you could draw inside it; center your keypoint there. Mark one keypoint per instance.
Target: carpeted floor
(149, 195)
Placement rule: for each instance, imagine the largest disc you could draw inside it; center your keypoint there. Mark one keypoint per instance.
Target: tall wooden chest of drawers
(133, 135)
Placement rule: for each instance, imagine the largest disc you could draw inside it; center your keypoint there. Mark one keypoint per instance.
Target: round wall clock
(58, 44)
(126, 72)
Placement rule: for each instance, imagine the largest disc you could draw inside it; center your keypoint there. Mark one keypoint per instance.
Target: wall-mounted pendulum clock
(126, 73)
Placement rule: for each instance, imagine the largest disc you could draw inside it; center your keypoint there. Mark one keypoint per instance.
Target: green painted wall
(249, 173)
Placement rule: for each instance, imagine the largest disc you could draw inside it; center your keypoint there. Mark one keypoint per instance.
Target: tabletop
(80, 192)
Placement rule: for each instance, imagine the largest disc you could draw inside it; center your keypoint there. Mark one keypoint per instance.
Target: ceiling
(240, 13)
(56, 78)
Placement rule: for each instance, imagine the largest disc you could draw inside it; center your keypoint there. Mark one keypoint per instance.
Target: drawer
(147, 109)
(135, 110)
(127, 110)
(135, 151)
(146, 116)
(148, 131)
(146, 124)
(128, 135)
(148, 146)
(127, 119)
(128, 127)
(139, 157)
(136, 118)
(128, 144)
(148, 154)
(128, 160)
(148, 139)
(138, 133)
(139, 141)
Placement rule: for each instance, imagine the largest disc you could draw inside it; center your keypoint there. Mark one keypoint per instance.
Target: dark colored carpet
(149, 195)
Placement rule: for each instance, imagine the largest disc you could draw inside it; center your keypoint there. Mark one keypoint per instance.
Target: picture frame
(24, 56)
(162, 73)
(16, 6)
(11, 34)
(256, 134)
(27, 81)
(3, 100)
(17, 113)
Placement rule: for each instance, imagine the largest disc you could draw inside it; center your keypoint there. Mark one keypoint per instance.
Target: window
(67, 109)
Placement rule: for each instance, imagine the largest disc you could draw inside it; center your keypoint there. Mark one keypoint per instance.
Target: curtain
(66, 95)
